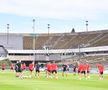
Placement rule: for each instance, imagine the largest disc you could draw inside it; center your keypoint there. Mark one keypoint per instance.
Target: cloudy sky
(62, 15)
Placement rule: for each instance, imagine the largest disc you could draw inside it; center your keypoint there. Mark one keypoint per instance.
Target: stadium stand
(62, 46)
(68, 40)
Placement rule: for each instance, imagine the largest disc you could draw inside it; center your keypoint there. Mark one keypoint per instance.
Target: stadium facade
(55, 46)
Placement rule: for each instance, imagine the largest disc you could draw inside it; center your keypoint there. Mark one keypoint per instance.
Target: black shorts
(83, 72)
(31, 70)
(101, 73)
(54, 71)
(11, 68)
(3, 68)
(74, 70)
(38, 70)
(19, 70)
(64, 70)
(78, 71)
(16, 70)
(88, 71)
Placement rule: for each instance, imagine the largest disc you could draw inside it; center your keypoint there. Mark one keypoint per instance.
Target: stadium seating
(67, 40)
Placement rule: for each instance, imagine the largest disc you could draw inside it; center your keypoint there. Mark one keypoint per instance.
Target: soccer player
(11, 66)
(37, 68)
(83, 70)
(31, 68)
(101, 69)
(88, 69)
(54, 69)
(65, 70)
(23, 66)
(75, 68)
(3, 66)
(79, 68)
(18, 69)
(49, 70)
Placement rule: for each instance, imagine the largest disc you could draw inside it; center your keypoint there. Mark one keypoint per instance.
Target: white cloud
(62, 9)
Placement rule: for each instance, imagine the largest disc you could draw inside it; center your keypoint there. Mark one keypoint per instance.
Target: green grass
(8, 81)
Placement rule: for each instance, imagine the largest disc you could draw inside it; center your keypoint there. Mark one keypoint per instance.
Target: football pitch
(8, 81)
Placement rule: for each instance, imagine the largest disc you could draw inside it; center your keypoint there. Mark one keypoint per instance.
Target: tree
(6, 61)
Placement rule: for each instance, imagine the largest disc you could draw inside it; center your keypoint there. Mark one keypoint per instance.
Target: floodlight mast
(48, 45)
(7, 34)
(34, 40)
(48, 29)
(86, 26)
